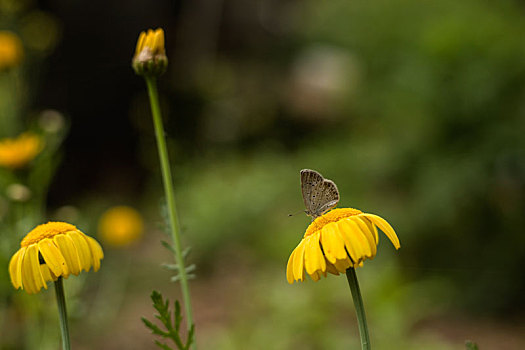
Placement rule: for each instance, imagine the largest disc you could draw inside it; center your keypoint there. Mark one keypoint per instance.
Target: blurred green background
(415, 109)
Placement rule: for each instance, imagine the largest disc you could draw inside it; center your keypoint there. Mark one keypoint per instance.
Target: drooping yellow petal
(316, 276)
(84, 252)
(97, 253)
(313, 256)
(53, 257)
(342, 265)
(69, 252)
(346, 232)
(32, 279)
(289, 268)
(385, 227)
(333, 244)
(360, 238)
(371, 226)
(15, 268)
(298, 262)
(46, 274)
(366, 230)
(331, 268)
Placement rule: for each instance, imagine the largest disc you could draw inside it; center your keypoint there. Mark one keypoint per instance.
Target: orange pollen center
(48, 230)
(332, 216)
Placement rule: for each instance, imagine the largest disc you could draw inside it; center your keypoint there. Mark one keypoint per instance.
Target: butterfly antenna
(300, 211)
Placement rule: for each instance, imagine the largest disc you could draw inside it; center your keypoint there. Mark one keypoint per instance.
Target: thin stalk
(170, 195)
(62, 314)
(359, 308)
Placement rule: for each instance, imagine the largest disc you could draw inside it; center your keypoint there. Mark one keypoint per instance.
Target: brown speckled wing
(319, 194)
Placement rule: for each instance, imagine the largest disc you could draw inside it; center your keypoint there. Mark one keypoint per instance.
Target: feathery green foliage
(172, 326)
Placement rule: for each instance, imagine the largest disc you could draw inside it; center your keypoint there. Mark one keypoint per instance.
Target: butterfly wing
(319, 194)
(329, 196)
(310, 181)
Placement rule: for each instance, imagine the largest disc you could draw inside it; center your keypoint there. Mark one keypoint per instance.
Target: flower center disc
(48, 230)
(332, 216)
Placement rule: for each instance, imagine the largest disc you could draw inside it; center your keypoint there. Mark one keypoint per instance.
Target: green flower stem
(170, 196)
(359, 308)
(62, 313)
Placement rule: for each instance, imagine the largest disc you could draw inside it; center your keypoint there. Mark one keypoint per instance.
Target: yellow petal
(46, 274)
(331, 268)
(361, 238)
(140, 43)
(150, 36)
(346, 232)
(289, 268)
(32, 279)
(15, 268)
(371, 226)
(385, 227)
(84, 252)
(368, 231)
(97, 253)
(342, 265)
(333, 244)
(69, 252)
(298, 262)
(159, 40)
(313, 256)
(52, 256)
(315, 276)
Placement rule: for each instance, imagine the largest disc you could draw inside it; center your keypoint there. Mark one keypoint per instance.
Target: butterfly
(319, 194)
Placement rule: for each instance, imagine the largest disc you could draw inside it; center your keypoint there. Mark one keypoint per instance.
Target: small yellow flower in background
(17, 152)
(335, 241)
(50, 251)
(11, 50)
(150, 54)
(120, 226)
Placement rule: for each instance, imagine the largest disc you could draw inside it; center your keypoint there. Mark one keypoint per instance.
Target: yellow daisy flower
(17, 152)
(50, 251)
(150, 54)
(335, 241)
(120, 226)
(11, 50)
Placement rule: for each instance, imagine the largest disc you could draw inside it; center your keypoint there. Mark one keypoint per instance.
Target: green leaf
(177, 316)
(154, 329)
(167, 246)
(190, 339)
(175, 278)
(172, 327)
(162, 345)
(171, 267)
(186, 252)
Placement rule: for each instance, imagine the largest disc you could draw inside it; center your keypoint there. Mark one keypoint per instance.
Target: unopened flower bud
(150, 56)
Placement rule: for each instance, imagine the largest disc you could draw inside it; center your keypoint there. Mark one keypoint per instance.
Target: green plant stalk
(62, 314)
(170, 195)
(359, 308)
